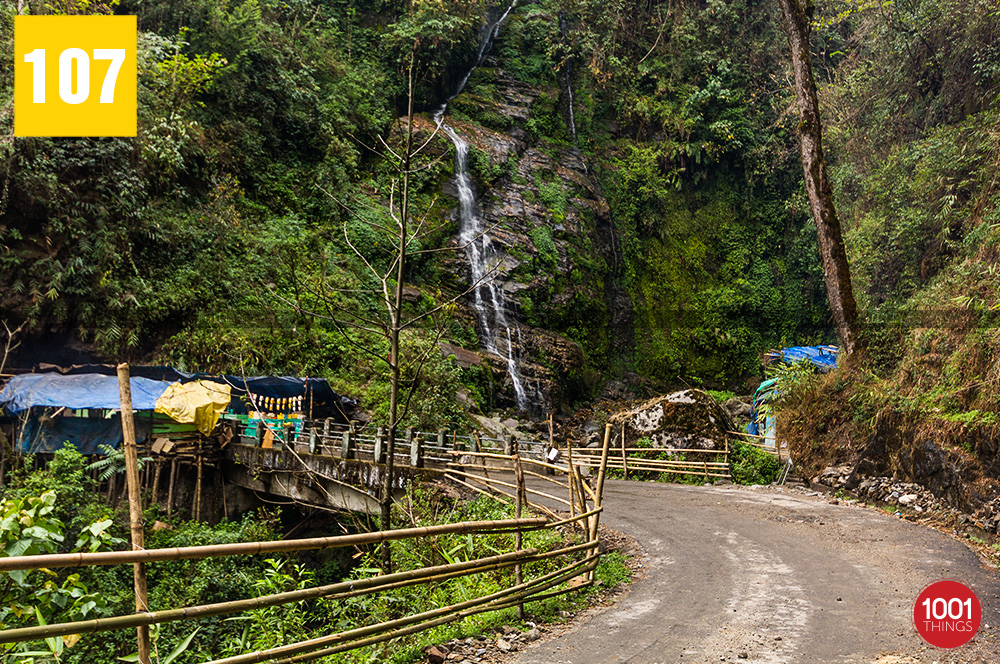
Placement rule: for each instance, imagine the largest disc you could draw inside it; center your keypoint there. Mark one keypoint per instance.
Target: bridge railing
(351, 441)
(579, 557)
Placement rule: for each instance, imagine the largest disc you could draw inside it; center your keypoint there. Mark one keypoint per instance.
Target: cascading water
(484, 260)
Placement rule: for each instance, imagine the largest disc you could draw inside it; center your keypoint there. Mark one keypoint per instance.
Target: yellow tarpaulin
(199, 402)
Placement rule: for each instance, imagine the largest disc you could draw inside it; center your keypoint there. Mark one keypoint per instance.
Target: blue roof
(77, 391)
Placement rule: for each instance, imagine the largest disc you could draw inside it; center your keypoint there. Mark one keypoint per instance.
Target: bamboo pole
(421, 621)
(501, 469)
(498, 495)
(81, 559)
(599, 498)
(170, 485)
(579, 517)
(509, 485)
(398, 633)
(490, 455)
(522, 497)
(529, 596)
(156, 481)
(547, 478)
(670, 450)
(197, 489)
(134, 506)
(572, 482)
(339, 590)
(624, 458)
(743, 433)
(635, 461)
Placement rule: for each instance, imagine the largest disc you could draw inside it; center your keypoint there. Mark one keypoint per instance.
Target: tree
(797, 16)
(364, 294)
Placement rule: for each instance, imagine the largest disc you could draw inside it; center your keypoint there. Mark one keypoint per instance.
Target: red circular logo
(947, 614)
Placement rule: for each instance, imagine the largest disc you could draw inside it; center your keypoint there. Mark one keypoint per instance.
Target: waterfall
(484, 260)
(569, 90)
(569, 79)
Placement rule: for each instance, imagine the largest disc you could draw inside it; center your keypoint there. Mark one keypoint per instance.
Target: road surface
(770, 576)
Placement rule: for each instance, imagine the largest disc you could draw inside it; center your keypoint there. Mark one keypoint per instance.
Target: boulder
(686, 419)
(737, 409)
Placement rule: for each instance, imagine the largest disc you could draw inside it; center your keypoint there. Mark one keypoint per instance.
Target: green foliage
(752, 465)
(788, 377)
(613, 570)
(113, 462)
(27, 528)
(548, 255)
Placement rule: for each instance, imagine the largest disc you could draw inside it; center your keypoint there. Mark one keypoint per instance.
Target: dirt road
(741, 575)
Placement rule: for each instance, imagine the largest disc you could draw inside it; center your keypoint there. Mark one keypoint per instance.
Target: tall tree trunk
(797, 17)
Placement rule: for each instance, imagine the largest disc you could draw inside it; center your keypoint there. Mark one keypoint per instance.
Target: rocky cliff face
(547, 217)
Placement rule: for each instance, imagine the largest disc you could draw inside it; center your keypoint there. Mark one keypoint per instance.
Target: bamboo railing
(705, 463)
(509, 483)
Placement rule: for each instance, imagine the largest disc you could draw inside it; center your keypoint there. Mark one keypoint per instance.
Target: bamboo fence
(466, 467)
(705, 463)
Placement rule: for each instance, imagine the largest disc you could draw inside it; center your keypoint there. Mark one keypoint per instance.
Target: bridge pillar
(416, 451)
(347, 445)
(380, 445)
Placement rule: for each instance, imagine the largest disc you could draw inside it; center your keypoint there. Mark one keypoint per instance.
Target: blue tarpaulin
(77, 391)
(49, 434)
(317, 395)
(823, 358)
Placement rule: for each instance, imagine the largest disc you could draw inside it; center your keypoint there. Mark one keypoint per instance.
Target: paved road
(742, 575)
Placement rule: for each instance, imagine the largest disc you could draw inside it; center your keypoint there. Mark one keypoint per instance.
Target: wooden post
(197, 490)
(624, 459)
(572, 481)
(134, 506)
(520, 499)
(552, 444)
(599, 493)
(170, 487)
(156, 480)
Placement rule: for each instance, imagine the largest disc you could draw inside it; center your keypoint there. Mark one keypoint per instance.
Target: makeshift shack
(80, 405)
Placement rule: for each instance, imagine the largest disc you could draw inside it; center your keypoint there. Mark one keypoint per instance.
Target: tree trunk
(797, 16)
(396, 318)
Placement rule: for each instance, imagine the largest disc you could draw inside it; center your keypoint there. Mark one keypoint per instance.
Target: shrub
(752, 465)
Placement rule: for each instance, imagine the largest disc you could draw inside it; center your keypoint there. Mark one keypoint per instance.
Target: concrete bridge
(342, 468)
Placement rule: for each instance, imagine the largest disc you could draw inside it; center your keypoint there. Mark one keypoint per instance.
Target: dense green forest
(638, 164)
(218, 238)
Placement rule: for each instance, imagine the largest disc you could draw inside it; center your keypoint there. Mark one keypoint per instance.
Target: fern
(113, 462)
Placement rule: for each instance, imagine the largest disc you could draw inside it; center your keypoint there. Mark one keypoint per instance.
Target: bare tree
(329, 296)
(797, 22)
